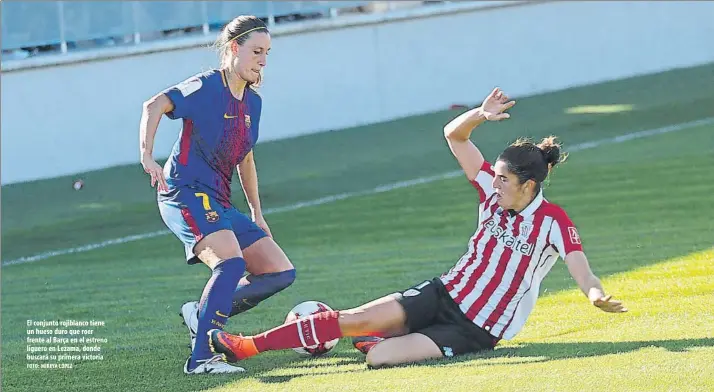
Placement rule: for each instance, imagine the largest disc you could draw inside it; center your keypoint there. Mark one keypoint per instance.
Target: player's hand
(260, 221)
(495, 105)
(156, 172)
(607, 304)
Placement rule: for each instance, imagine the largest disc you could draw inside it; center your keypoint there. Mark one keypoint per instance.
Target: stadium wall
(80, 116)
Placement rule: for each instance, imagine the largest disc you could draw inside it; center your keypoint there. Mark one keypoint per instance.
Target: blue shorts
(192, 215)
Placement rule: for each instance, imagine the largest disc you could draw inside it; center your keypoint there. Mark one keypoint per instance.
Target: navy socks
(261, 287)
(215, 305)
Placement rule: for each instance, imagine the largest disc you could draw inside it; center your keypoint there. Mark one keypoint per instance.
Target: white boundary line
(348, 195)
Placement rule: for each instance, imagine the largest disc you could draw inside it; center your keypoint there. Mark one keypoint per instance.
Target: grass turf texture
(640, 207)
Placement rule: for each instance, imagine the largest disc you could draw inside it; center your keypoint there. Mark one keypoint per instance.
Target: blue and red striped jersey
(218, 132)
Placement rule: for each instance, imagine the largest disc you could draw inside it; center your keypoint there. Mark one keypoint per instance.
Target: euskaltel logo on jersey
(509, 240)
(574, 236)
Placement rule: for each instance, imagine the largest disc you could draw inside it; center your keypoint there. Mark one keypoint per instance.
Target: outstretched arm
(458, 131)
(579, 269)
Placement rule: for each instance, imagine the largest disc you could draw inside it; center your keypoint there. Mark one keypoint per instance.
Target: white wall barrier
(81, 116)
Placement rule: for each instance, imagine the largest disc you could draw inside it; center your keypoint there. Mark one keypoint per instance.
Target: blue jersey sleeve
(185, 96)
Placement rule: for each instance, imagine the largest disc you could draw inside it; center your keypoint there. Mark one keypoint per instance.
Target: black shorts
(432, 312)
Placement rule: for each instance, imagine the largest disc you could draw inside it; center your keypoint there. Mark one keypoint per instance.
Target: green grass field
(641, 207)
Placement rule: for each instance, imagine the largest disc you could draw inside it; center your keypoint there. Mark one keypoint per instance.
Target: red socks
(308, 331)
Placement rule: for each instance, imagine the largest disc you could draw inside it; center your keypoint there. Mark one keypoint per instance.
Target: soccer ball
(305, 309)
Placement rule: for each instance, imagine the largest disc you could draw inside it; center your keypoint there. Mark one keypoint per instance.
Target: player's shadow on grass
(525, 353)
(307, 366)
(268, 379)
(544, 352)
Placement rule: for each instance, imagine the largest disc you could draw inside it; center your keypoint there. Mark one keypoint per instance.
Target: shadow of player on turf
(544, 352)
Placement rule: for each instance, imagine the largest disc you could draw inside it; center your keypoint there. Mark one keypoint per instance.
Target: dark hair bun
(550, 148)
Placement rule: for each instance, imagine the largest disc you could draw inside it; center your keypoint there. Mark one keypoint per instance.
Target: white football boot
(189, 313)
(215, 364)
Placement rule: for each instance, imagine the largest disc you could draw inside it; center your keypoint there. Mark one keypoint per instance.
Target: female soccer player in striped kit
(489, 293)
(221, 112)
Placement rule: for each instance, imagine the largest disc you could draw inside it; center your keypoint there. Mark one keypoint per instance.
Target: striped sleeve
(563, 234)
(484, 182)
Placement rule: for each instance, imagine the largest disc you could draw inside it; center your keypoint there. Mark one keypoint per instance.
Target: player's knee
(287, 278)
(213, 258)
(233, 267)
(279, 281)
(216, 247)
(258, 288)
(378, 356)
(209, 257)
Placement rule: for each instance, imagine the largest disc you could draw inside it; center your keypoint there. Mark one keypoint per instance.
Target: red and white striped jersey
(497, 281)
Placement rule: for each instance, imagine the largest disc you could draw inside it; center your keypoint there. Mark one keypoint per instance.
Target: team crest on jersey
(574, 236)
(247, 121)
(525, 230)
(212, 216)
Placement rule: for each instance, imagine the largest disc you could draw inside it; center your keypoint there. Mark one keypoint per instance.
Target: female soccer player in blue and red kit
(220, 110)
